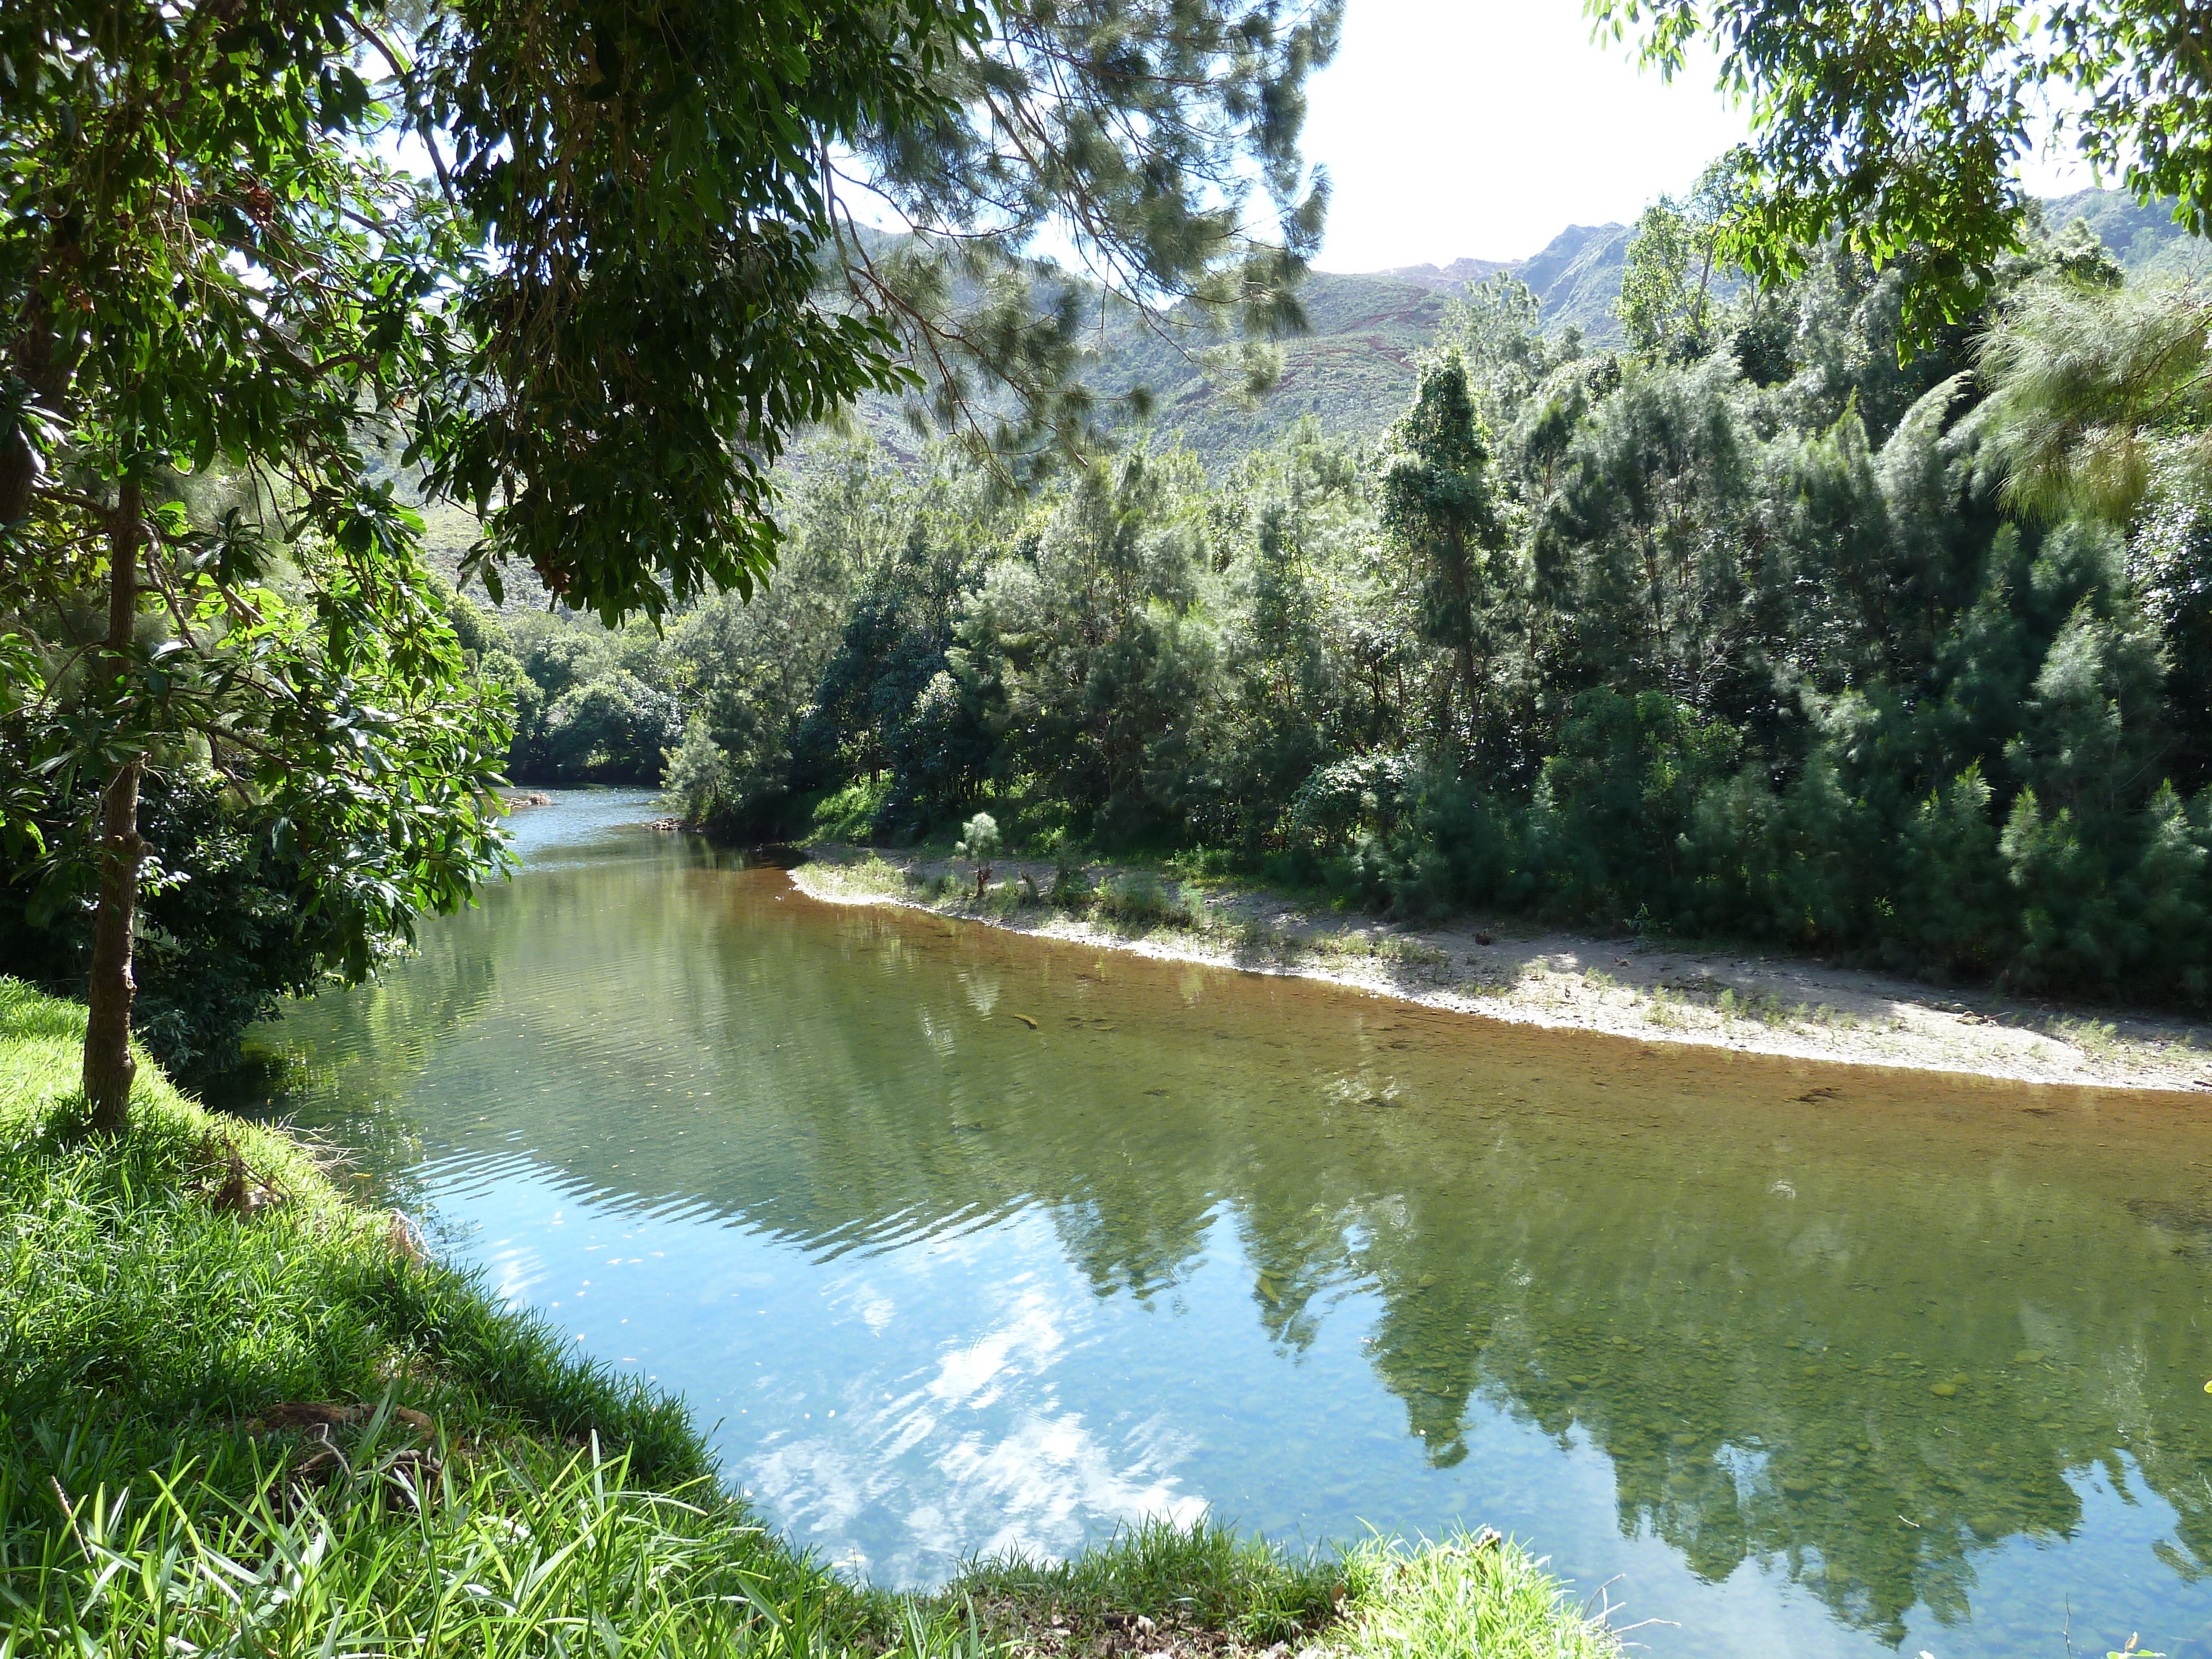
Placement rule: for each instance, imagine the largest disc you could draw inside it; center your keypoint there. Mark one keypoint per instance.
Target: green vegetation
(225, 934)
(242, 1414)
(224, 311)
(1357, 362)
(1897, 132)
(1472, 1595)
(1763, 634)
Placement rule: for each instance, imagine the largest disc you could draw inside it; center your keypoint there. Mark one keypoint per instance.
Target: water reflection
(972, 1242)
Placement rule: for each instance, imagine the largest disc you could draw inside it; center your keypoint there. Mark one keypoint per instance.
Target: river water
(968, 1241)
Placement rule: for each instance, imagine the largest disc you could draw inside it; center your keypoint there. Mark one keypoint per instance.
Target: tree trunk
(109, 1067)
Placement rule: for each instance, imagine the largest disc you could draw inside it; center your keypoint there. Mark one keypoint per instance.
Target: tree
(2096, 390)
(1664, 309)
(1898, 128)
(1437, 507)
(1637, 539)
(598, 330)
(1668, 306)
(192, 289)
(697, 773)
(1496, 328)
(979, 841)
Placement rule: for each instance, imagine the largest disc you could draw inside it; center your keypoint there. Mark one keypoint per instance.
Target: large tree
(1898, 128)
(627, 281)
(209, 293)
(1437, 508)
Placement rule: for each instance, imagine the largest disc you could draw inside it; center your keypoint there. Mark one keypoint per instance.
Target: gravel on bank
(1507, 968)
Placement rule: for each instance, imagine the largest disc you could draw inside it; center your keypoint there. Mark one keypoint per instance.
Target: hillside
(2144, 239)
(1451, 278)
(1352, 371)
(1355, 369)
(1577, 275)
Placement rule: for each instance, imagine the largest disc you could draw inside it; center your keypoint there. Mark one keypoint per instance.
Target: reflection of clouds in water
(998, 1463)
(513, 1272)
(1746, 1466)
(1044, 1481)
(982, 991)
(1030, 1336)
(861, 1297)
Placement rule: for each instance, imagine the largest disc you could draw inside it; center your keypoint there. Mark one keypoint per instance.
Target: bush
(847, 814)
(698, 772)
(223, 937)
(1071, 888)
(1142, 900)
(1618, 801)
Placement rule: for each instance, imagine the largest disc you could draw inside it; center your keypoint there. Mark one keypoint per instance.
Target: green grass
(1476, 1596)
(2099, 1041)
(1203, 1577)
(490, 1492)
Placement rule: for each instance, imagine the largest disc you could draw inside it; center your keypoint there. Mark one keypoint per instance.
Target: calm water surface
(966, 1241)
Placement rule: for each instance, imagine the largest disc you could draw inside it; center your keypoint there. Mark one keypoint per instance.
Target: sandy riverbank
(1506, 968)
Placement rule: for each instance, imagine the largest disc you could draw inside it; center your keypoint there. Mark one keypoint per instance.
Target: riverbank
(330, 1442)
(1505, 968)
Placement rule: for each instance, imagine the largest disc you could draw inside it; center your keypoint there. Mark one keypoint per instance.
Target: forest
(920, 424)
(1753, 629)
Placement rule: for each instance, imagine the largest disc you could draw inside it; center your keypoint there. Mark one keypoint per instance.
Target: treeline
(1751, 630)
(1757, 632)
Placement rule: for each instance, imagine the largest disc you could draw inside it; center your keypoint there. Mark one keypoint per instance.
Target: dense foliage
(624, 283)
(1774, 637)
(225, 930)
(1900, 130)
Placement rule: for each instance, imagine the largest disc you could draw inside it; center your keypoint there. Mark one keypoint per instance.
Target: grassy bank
(240, 1415)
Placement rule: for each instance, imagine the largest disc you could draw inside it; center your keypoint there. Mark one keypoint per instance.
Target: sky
(1484, 128)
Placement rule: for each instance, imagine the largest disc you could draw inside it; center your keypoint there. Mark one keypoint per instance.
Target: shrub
(1144, 901)
(1618, 802)
(979, 842)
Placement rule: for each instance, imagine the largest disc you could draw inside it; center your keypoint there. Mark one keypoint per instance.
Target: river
(965, 1240)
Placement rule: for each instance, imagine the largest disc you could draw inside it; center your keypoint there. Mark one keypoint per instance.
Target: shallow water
(967, 1241)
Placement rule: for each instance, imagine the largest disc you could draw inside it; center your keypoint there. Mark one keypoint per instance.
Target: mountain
(2144, 239)
(1351, 370)
(1450, 278)
(1355, 368)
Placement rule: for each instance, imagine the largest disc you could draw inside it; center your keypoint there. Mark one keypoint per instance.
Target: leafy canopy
(1898, 128)
(209, 295)
(632, 280)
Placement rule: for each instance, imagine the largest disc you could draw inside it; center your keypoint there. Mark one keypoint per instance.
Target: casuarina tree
(1437, 507)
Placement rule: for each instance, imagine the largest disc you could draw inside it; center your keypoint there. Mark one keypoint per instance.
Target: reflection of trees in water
(351, 1059)
(1750, 1313)
(1759, 1396)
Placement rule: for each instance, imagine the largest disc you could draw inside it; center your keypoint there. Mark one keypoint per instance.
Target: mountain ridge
(1356, 366)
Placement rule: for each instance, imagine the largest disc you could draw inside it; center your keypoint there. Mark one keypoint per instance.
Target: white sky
(1484, 128)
